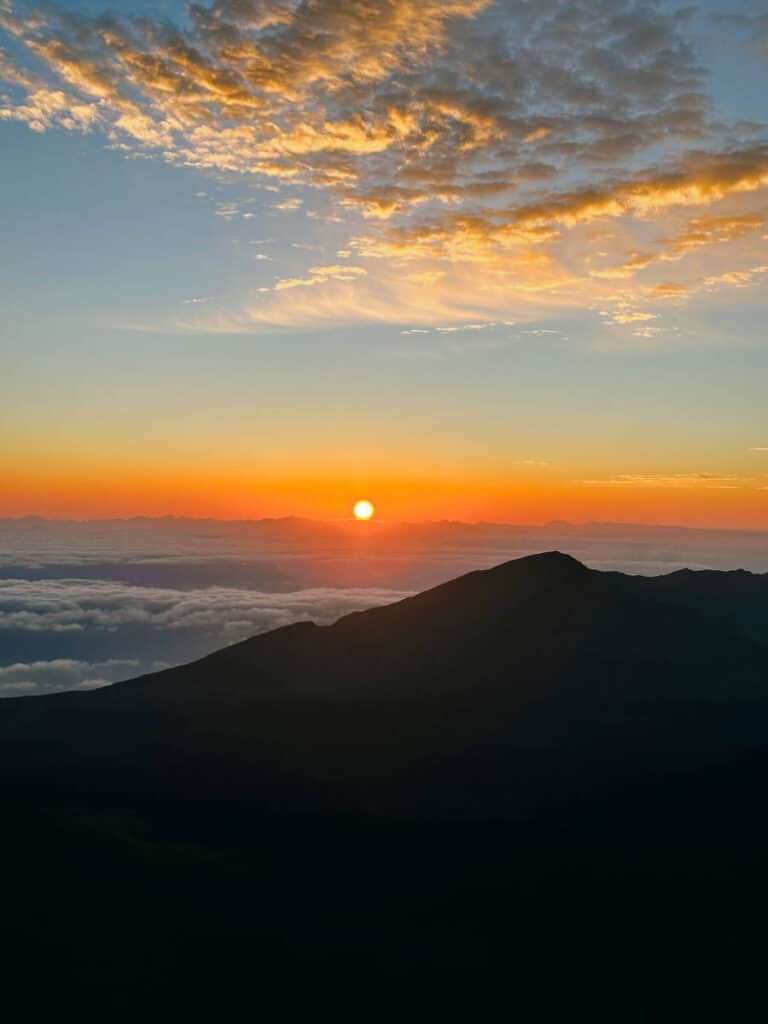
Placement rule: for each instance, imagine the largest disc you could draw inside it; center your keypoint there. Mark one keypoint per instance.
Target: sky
(472, 260)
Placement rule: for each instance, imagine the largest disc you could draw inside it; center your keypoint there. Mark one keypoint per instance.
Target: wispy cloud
(319, 275)
(227, 210)
(633, 317)
(684, 481)
(288, 205)
(455, 329)
(699, 233)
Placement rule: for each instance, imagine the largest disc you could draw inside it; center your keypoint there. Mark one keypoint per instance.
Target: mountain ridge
(467, 665)
(486, 598)
(538, 767)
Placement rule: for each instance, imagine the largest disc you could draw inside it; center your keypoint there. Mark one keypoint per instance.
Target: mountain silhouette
(507, 743)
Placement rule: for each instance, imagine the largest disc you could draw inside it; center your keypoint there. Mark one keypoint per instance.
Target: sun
(363, 510)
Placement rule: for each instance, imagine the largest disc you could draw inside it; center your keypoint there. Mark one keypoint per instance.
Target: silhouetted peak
(512, 581)
(548, 563)
(554, 558)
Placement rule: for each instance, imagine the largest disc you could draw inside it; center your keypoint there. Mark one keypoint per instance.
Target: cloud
(700, 232)
(711, 283)
(683, 481)
(738, 278)
(319, 275)
(649, 332)
(466, 327)
(698, 180)
(469, 147)
(68, 606)
(26, 679)
(227, 210)
(670, 290)
(288, 205)
(105, 619)
(633, 317)
(45, 108)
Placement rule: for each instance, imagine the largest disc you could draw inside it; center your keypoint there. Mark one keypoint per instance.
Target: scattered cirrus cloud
(474, 151)
(319, 275)
(699, 232)
(455, 329)
(288, 205)
(227, 210)
(709, 481)
(633, 317)
(649, 332)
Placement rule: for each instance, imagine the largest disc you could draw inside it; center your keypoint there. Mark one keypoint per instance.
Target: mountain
(538, 741)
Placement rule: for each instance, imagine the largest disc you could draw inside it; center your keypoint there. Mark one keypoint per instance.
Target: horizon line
(379, 522)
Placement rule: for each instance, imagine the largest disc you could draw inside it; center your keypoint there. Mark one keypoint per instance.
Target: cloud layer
(487, 157)
(26, 679)
(94, 615)
(62, 606)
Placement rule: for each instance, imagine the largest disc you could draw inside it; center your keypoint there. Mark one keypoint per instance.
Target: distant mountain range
(538, 740)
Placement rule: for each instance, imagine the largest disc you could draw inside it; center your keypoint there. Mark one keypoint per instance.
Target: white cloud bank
(75, 605)
(25, 679)
(57, 608)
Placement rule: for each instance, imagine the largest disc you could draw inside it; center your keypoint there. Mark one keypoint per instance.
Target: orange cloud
(674, 481)
(700, 232)
(633, 317)
(422, 120)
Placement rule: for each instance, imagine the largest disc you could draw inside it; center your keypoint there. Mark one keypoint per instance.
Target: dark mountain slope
(538, 742)
(515, 630)
(537, 657)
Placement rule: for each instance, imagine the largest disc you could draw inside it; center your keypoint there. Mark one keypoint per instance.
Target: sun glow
(363, 510)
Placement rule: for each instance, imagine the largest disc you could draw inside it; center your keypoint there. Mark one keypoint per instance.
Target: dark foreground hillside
(535, 772)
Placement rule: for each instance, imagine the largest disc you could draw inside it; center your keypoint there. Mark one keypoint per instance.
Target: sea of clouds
(84, 604)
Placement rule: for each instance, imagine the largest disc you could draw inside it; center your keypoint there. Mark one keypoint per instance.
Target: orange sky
(95, 495)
